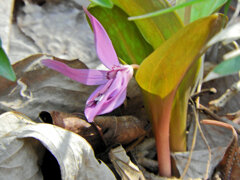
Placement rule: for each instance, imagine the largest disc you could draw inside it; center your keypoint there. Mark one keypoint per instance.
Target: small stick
(209, 112)
(216, 117)
(193, 142)
(229, 94)
(203, 91)
(208, 147)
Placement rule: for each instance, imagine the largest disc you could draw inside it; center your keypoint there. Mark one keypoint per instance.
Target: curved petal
(84, 76)
(110, 99)
(95, 100)
(104, 47)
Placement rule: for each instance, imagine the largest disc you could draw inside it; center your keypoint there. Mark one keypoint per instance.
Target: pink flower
(112, 89)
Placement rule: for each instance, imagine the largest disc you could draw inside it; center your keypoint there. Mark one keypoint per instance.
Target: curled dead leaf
(229, 167)
(77, 124)
(122, 129)
(106, 129)
(22, 142)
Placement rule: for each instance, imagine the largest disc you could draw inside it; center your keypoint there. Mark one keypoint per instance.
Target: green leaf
(226, 7)
(155, 30)
(228, 67)
(178, 123)
(125, 36)
(225, 68)
(199, 10)
(103, 3)
(167, 10)
(163, 70)
(205, 8)
(5, 66)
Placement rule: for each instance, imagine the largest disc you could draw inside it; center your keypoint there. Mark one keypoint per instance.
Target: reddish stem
(160, 111)
(163, 149)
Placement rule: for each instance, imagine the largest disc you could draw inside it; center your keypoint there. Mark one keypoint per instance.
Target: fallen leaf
(78, 124)
(124, 166)
(229, 167)
(40, 89)
(70, 40)
(19, 158)
(74, 155)
(202, 164)
(6, 10)
(113, 129)
(199, 161)
(216, 136)
(120, 130)
(145, 152)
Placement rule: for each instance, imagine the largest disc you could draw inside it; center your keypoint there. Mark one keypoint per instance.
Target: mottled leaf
(163, 70)
(125, 36)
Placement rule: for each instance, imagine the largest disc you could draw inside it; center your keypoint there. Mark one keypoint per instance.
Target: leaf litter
(69, 149)
(41, 90)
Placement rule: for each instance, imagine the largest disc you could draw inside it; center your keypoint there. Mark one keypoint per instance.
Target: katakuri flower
(112, 89)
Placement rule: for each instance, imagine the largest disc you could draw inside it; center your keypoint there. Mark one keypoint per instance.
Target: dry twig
(229, 94)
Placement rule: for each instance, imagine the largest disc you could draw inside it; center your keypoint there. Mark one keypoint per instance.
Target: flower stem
(160, 113)
(135, 66)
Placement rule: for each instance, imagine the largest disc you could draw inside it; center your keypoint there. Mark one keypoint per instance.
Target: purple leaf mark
(112, 89)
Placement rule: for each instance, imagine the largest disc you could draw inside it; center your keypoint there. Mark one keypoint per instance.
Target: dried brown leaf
(124, 166)
(107, 129)
(41, 89)
(43, 28)
(80, 126)
(122, 129)
(6, 10)
(229, 167)
(197, 167)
